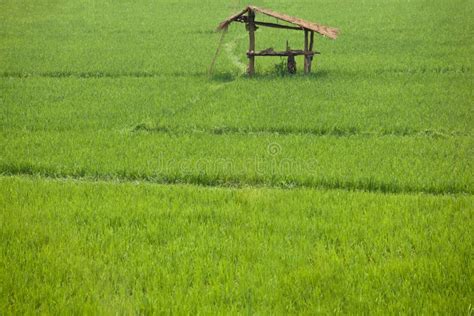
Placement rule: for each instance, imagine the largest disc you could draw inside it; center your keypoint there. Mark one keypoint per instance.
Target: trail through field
(229, 49)
(234, 58)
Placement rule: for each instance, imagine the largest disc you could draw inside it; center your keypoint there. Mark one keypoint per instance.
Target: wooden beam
(311, 46)
(218, 50)
(265, 53)
(279, 26)
(273, 25)
(306, 50)
(251, 29)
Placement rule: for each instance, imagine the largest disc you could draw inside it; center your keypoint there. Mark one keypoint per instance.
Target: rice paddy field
(133, 182)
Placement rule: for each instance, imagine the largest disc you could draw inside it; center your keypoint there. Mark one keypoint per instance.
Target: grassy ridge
(387, 164)
(407, 105)
(101, 247)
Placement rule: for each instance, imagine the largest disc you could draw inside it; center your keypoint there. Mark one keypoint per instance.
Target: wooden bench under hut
(247, 16)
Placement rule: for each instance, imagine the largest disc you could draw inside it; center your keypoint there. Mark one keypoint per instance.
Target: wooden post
(291, 64)
(211, 68)
(251, 29)
(311, 45)
(306, 50)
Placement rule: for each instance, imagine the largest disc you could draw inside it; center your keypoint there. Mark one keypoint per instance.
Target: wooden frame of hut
(247, 16)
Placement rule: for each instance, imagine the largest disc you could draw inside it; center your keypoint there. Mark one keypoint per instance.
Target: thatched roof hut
(247, 16)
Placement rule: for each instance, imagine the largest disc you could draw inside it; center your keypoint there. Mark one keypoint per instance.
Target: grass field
(133, 182)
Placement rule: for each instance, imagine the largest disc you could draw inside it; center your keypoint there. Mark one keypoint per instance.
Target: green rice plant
(345, 191)
(386, 164)
(96, 247)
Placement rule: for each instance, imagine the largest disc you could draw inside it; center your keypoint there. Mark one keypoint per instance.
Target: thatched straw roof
(320, 29)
